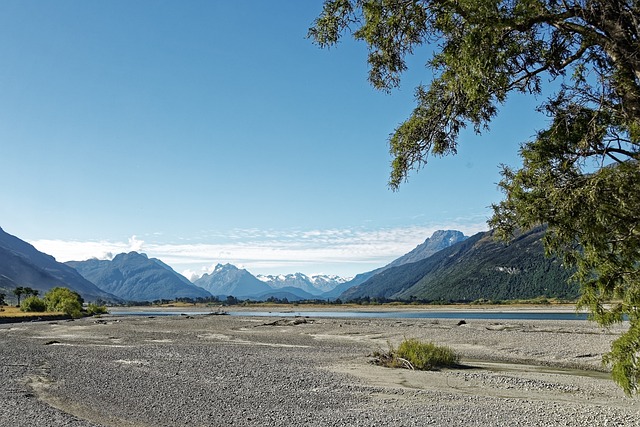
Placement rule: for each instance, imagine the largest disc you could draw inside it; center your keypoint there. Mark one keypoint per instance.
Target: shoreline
(292, 308)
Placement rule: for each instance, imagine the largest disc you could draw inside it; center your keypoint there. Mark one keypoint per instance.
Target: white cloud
(332, 251)
(135, 244)
(70, 250)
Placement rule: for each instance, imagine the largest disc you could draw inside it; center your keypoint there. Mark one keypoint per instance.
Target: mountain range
(439, 240)
(23, 265)
(313, 285)
(448, 266)
(480, 267)
(229, 280)
(135, 277)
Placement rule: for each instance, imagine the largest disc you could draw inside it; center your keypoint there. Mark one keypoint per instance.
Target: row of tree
(26, 291)
(19, 292)
(58, 300)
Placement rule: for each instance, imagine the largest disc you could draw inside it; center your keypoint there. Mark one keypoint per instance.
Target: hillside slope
(134, 277)
(229, 280)
(478, 268)
(21, 264)
(439, 240)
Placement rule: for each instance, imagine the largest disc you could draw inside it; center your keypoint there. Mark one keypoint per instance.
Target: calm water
(373, 314)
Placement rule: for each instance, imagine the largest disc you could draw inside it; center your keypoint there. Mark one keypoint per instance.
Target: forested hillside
(478, 268)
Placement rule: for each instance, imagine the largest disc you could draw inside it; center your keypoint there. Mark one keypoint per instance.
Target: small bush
(64, 300)
(33, 304)
(427, 356)
(415, 354)
(95, 309)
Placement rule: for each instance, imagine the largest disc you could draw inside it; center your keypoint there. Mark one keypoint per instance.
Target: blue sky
(208, 132)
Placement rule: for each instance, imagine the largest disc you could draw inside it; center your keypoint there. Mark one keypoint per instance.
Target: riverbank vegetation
(415, 354)
(58, 301)
(33, 306)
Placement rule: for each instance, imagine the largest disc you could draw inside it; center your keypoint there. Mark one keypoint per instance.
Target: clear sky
(205, 132)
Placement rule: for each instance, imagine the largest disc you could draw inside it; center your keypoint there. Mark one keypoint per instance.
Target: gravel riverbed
(253, 371)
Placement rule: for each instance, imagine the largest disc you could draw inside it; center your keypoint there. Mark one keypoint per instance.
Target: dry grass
(10, 311)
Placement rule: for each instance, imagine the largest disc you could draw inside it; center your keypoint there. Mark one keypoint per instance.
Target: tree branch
(530, 74)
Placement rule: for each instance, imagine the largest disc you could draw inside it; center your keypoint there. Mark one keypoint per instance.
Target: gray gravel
(233, 371)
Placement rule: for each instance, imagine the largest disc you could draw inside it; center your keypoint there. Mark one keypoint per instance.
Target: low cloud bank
(344, 252)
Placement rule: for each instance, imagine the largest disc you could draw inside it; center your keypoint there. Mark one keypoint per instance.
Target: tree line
(57, 300)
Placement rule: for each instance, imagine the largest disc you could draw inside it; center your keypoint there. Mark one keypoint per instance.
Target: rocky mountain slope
(477, 268)
(228, 279)
(23, 265)
(134, 277)
(439, 240)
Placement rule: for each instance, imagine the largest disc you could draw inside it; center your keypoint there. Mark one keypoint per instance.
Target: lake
(352, 314)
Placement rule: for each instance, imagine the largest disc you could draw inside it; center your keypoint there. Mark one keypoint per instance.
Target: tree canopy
(64, 300)
(581, 175)
(18, 292)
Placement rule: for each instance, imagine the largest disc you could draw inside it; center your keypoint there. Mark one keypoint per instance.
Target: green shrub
(426, 355)
(33, 304)
(415, 354)
(95, 309)
(64, 300)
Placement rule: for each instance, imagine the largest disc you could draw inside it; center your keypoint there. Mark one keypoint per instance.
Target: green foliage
(95, 309)
(30, 291)
(581, 175)
(18, 292)
(231, 300)
(623, 357)
(2, 296)
(33, 304)
(426, 356)
(488, 50)
(415, 354)
(64, 300)
(594, 225)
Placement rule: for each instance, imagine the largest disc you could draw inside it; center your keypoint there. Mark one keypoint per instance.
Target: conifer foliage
(581, 175)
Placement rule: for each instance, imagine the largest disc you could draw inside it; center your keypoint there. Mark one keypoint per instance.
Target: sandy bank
(252, 371)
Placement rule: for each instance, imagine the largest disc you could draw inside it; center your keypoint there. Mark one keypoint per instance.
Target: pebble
(223, 371)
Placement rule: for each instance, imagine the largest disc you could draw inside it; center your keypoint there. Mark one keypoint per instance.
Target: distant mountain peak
(314, 285)
(477, 268)
(133, 276)
(21, 263)
(225, 267)
(228, 280)
(439, 240)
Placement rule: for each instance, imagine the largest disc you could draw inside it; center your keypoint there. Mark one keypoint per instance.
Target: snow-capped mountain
(230, 280)
(326, 283)
(315, 285)
(439, 240)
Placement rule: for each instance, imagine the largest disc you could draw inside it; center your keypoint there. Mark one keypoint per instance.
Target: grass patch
(10, 311)
(415, 354)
